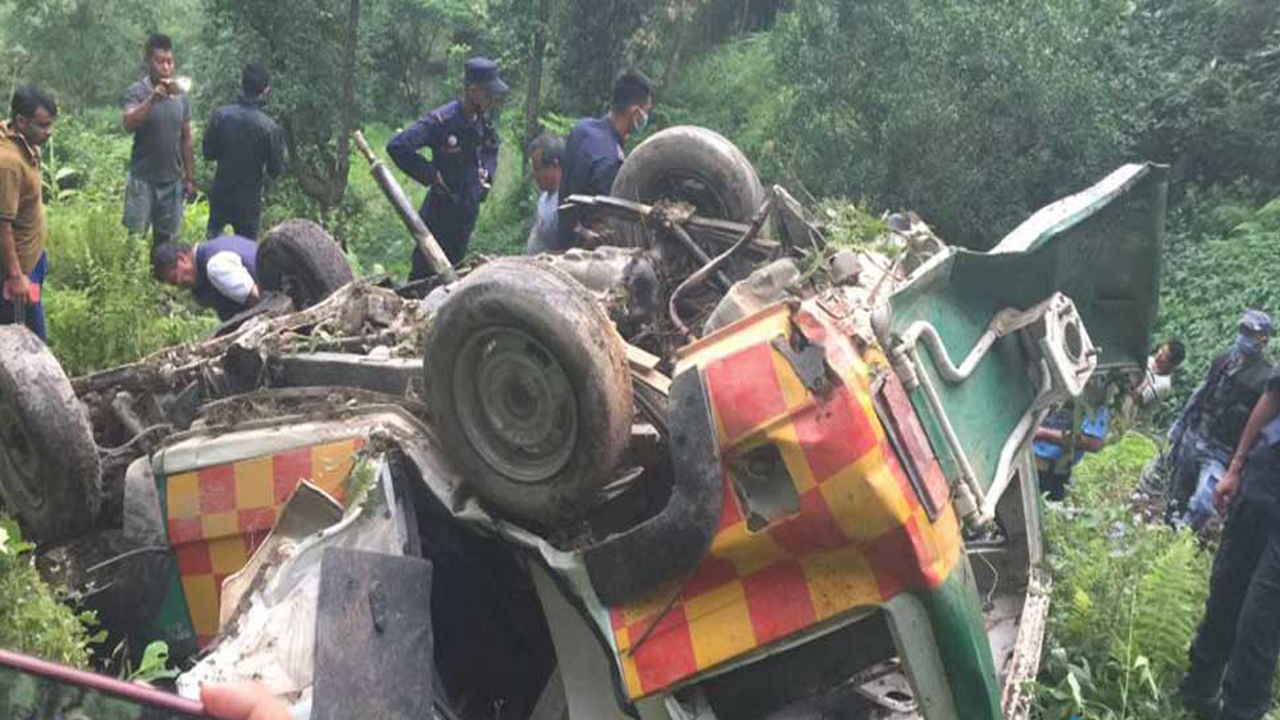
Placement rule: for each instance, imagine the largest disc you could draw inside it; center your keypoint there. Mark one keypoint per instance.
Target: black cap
(484, 72)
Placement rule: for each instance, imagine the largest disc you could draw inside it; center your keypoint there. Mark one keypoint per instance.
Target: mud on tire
(50, 477)
(528, 387)
(302, 260)
(693, 164)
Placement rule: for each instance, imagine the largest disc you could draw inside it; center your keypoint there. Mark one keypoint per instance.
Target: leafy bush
(1126, 597)
(33, 618)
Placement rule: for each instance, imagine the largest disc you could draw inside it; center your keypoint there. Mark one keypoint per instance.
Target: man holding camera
(161, 166)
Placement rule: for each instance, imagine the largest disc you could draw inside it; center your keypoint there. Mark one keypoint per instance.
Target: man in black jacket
(246, 144)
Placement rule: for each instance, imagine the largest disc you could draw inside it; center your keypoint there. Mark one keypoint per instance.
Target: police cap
(484, 72)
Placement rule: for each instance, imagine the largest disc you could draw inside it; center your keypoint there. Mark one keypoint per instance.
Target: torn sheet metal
(271, 636)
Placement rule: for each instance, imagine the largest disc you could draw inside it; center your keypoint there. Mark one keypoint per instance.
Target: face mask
(642, 123)
(1247, 346)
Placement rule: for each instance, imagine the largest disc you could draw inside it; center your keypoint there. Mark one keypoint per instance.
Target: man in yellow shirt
(22, 231)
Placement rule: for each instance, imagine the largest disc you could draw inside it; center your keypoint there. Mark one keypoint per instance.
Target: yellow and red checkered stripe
(861, 535)
(218, 515)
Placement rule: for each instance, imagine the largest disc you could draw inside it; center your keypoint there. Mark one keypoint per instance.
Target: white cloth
(230, 277)
(1155, 387)
(542, 236)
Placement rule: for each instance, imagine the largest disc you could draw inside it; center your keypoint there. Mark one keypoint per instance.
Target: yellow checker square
(794, 393)
(202, 600)
(719, 624)
(788, 443)
(630, 674)
(747, 551)
(941, 539)
(865, 499)
(228, 555)
(219, 525)
(254, 484)
(331, 463)
(184, 496)
(839, 580)
(651, 604)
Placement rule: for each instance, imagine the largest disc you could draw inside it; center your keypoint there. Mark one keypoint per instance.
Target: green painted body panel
(942, 640)
(173, 622)
(1101, 248)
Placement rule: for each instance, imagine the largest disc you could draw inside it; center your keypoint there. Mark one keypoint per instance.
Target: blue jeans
(33, 313)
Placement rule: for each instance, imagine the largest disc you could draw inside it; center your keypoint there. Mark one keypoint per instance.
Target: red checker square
(667, 655)
(185, 530)
(895, 561)
(834, 434)
(778, 601)
(252, 540)
(744, 389)
(287, 469)
(217, 487)
(812, 531)
(255, 520)
(193, 559)
(710, 574)
(899, 474)
(203, 640)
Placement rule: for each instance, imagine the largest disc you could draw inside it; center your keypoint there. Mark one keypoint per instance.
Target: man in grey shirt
(161, 168)
(545, 154)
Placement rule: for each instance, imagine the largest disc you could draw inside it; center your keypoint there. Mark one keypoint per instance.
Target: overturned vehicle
(538, 493)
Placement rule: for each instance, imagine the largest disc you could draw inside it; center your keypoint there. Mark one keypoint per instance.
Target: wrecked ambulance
(821, 503)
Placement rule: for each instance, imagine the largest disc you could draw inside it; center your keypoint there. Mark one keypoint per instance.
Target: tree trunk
(533, 97)
(350, 108)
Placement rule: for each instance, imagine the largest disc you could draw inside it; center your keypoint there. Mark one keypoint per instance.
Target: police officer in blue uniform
(1233, 656)
(1209, 428)
(464, 160)
(593, 152)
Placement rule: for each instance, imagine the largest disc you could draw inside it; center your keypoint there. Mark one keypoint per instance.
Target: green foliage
(154, 664)
(33, 618)
(103, 306)
(1217, 264)
(86, 51)
(1126, 597)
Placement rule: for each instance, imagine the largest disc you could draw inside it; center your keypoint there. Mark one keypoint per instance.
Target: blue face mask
(1247, 346)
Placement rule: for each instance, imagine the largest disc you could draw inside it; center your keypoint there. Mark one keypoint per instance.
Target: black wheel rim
(515, 404)
(19, 461)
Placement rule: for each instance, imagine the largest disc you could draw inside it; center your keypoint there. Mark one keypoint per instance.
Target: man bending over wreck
(221, 273)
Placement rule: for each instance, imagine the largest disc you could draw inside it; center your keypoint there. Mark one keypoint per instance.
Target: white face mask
(643, 122)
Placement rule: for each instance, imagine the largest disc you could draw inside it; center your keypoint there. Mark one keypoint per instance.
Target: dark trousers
(451, 227)
(1239, 637)
(32, 313)
(245, 218)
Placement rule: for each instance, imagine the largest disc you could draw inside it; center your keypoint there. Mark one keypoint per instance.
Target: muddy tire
(50, 477)
(692, 164)
(528, 387)
(298, 258)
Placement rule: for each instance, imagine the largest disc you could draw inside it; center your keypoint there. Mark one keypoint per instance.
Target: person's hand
(18, 289)
(189, 188)
(243, 701)
(1226, 488)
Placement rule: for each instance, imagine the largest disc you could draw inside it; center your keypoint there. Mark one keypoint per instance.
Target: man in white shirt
(1158, 382)
(222, 273)
(545, 154)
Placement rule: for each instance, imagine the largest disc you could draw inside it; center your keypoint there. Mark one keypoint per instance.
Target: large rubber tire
(693, 164)
(528, 386)
(50, 477)
(297, 257)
